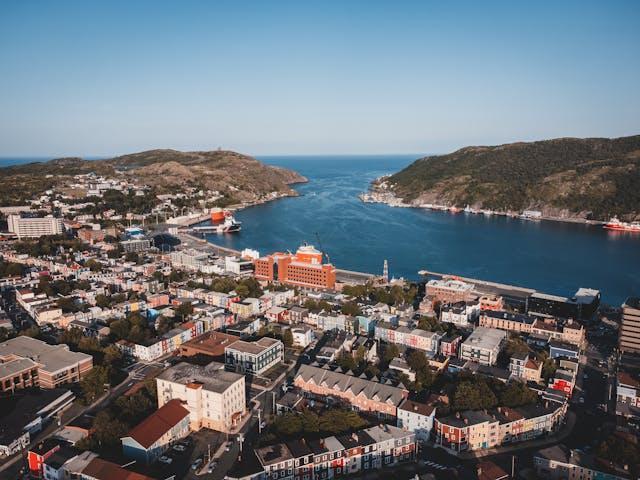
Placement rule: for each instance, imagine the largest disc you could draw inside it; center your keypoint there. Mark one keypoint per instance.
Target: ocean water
(553, 257)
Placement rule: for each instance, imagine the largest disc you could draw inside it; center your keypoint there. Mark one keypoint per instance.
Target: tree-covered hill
(590, 178)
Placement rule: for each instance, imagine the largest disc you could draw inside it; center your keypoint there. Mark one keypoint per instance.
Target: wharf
(513, 292)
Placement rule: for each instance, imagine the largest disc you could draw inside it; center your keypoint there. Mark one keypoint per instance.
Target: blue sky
(100, 78)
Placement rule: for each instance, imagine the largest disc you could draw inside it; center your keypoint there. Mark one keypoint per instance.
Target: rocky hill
(567, 177)
(239, 176)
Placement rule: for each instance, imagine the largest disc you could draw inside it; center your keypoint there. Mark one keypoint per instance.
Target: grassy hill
(588, 178)
(240, 176)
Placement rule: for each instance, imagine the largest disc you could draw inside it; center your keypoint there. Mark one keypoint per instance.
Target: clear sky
(268, 77)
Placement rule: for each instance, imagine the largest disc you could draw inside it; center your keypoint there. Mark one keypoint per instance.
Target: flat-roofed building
(304, 268)
(483, 345)
(56, 364)
(18, 374)
(214, 397)
(211, 344)
(449, 290)
(33, 227)
(629, 340)
(254, 357)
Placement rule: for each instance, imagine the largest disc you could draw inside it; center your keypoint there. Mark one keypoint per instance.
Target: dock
(513, 292)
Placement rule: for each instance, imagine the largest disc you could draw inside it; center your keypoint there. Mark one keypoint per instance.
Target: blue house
(151, 438)
(563, 349)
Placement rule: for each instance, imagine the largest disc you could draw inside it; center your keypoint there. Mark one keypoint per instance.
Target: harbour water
(553, 257)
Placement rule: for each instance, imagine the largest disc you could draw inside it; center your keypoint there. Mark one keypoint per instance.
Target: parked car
(179, 447)
(166, 460)
(195, 465)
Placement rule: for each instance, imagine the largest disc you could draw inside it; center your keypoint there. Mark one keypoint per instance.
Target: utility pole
(259, 421)
(513, 466)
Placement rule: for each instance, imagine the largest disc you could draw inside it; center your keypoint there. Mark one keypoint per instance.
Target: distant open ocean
(552, 257)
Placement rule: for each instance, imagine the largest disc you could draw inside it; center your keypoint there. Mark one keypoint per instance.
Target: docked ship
(218, 215)
(230, 225)
(615, 224)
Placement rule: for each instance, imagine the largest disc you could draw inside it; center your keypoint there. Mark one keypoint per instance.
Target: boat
(615, 224)
(218, 214)
(454, 209)
(230, 225)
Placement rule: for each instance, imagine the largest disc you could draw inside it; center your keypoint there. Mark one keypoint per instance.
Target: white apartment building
(28, 227)
(214, 397)
(483, 345)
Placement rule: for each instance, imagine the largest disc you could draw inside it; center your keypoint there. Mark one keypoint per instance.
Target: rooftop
(158, 423)
(253, 348)
(213, 377)
(487, 338)
(51, 357)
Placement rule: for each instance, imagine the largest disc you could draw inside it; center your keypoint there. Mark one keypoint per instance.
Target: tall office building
(34, 227)
(630, 329)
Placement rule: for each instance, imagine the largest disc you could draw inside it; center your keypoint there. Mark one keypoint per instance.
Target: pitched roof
(104, 470)
(342, 382)
(158, 423)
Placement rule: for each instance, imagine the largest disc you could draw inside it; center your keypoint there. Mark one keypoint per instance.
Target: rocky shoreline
(381, 192)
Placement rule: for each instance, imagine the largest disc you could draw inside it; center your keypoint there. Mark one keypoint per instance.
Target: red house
(39, 453)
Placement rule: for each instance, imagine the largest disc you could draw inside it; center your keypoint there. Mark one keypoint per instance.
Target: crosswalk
(435, 465)
(138, 376)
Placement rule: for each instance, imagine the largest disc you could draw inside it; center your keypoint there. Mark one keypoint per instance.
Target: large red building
(304, 268)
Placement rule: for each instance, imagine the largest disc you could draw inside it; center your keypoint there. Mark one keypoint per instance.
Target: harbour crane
(322, 249)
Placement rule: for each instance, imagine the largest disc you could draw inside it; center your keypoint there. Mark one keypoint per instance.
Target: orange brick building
(304, 268)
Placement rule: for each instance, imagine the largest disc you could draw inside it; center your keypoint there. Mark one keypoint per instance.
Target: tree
(94, 384)
(390, 352)
(474, 395)
(346, 361)
(351, 308)
(4, 334)
(242, 291)
(517, 394)
(103, 301)
(184, 310)
(287, 338)
(93, 265)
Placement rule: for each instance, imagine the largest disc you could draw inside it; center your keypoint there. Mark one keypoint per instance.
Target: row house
(277, 299)
(477, 430)
(449, 345)
(360, 393)
(298, 315)
(509, 321)
(156, 348)
(570, 332)
(528, 369)
(416, 339)
(246, 308)
(491, 302)
(332, 321)
(337, 456)
(627, 394)
(462, 314)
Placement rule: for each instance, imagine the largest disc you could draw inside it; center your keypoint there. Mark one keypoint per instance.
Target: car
(166, 460)
(581, 400)
(195, 465)
(212, 467)
(228, 447)
(179, 448)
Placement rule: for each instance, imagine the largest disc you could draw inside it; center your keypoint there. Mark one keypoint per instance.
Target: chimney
(466, 421)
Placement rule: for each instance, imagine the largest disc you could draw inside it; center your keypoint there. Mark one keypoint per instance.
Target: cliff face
(582, 178)
(240, 176)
